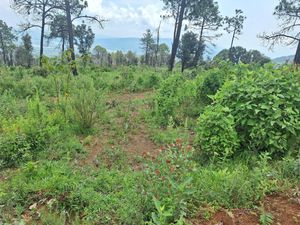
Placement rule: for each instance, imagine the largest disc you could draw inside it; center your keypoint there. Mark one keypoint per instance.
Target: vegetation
(244, 133)
(143, 139)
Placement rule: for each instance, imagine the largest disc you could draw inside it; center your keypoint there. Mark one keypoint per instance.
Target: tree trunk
(71, 36)
(62, 49)
(3, 49)
(297, 56)
(157, 45)
(176, 23)
(199, 49)
(182, 66)
(42, 37)
(232, 40)
(63, 45)
(11, 58)
(177, 36)
(147, 55)
(231, 46)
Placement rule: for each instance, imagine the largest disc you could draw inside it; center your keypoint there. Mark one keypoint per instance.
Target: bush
(167, 99)
(216, 135)
(40, 71)
(210, 81)
(208, 87)
(87, 104)
(25, 138)
(14, 149)
(265, 106)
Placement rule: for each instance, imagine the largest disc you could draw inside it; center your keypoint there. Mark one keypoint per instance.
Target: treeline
(198, 24)
(203, 24)
(103, 57)
(57, 15)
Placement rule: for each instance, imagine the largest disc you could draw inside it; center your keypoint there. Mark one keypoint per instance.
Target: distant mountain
(284, 59)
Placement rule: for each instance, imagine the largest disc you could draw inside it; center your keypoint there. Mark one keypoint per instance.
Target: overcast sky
(130, 18)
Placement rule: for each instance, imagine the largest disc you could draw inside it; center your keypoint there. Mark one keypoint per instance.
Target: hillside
(283, 59)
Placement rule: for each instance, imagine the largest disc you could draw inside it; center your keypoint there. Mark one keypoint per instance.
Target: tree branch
(91, 18)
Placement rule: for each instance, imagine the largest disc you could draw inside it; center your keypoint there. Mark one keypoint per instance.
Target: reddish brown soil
(285, 209)
(138, 142)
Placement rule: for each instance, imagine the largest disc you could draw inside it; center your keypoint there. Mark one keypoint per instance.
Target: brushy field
(135, 145)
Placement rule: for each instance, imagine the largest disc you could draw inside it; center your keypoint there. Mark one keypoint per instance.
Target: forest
(171, 136)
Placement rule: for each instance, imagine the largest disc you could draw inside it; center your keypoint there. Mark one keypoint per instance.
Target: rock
(33, 206)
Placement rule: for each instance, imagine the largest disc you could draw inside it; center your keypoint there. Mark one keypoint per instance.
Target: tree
(255, 57)
(101, 55)
(187, 50)
(177, 9)
(84, 38)
(235, 54)
(147, 43)
(41, 11)
(288, 12)
(73, 10)
(118, 58)
(23, 53)
(163, 54)
(7, 39)
(205, 17)
(235, 25)
(157, 44)
(58, 29)
(131, 59)
(240, 54)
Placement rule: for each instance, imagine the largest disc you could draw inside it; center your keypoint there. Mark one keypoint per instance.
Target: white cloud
(148, 14)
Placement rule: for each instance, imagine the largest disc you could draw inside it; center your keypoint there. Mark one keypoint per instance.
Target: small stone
(33, 206)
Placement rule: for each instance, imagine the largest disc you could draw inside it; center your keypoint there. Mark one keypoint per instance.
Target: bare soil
(284, 208)
(138, 141)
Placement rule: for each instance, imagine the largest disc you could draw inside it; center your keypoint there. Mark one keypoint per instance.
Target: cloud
(128, 12)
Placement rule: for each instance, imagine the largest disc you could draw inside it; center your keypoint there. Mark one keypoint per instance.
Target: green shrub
(167, 99)
(266, 106)
(216, 135)
(8, 105)
(14, 149)
(211, 83)
(26, 137)
(40, 71)
(87, 104)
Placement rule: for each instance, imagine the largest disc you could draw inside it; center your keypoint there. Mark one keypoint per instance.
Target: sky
(130, 18)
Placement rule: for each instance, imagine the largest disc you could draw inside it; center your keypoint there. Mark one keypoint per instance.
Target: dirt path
(138, 140)
(284, 209)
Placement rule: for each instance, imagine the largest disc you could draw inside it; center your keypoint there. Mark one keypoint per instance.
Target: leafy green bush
(26, 137)
(216, 135)
(167, 99)
(266, 106)
(209, 85)
(14, 149)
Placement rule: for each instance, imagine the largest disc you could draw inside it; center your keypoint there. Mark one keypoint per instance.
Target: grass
(77, 166)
